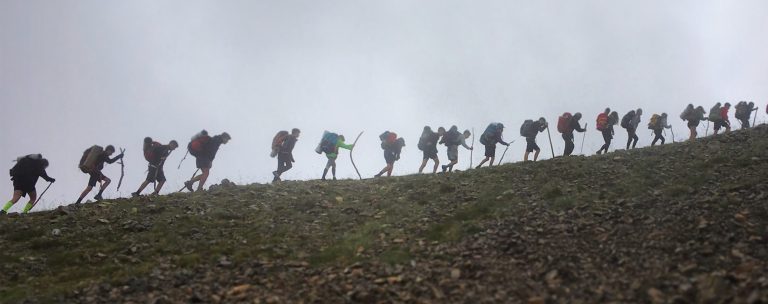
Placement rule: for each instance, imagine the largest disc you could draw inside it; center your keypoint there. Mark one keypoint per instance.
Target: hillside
(679, 223)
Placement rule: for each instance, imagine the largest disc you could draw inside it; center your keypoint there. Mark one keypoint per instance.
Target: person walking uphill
(566, 124)
(204, 148)
(658, 123)
(330, 144)
(694, 117)
(92, 163)
(605, 124)
(453, 139)
(24, 176)
(155, 154)
(283, 144)
(719, 115)
(490, 137)
(392, 146)
(630, 121)
(428, 145)
(529, 130)
(744, 112)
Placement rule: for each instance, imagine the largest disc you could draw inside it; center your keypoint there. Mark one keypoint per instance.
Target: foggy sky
(78, 73)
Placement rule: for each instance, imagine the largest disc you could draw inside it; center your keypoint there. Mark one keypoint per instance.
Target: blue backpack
(328, 142)
(489, 135)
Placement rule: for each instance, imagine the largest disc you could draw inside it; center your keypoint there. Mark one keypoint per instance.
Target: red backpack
(602, 121)
(197, 144)
(564, 123)
(149, 151)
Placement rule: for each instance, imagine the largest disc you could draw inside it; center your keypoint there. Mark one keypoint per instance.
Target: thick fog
(78, 73)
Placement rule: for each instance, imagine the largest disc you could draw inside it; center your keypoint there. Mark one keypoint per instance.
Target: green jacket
(335, 153)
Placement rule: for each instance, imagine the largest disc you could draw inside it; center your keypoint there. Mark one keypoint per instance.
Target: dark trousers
(607, 137)
(569, 146)
(632, 137)
(284, 163)
(659, 136)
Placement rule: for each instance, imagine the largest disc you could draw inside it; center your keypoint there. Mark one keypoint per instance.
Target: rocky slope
(679, 223)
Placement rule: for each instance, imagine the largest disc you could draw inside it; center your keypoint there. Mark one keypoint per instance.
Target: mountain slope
(683, 222)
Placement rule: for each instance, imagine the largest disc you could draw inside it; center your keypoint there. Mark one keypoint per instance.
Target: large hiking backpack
(387, 139)
(653, 124)
(564, 123)
(327, 143)
(714, 113)
(687, 113)
(197, 145)
(626, 120)
(423, 140)
(89, 159)
(489, 135)
(22, 160)
(527, 128)
(277, 141)
(452, 137)
(602, 121)
(149, 149)
(742, 111)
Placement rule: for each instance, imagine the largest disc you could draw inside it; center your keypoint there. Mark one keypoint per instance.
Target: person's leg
(160, 182)
(423, 164)
(727, 127)
(14, 199)
(141, 188)
(30, 204)
(536, 154)
(525, 156)
(482, 162)
(159, 187)
(490, 161)
(390, 167)
(203, 178)
(106, 181)
(85, 192)
(635, 138)
(437, 164)
(567, 141)
(333, 169)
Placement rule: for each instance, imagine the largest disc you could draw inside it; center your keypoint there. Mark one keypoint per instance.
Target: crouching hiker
(155, 154)
(658, 123)
(566, 124)
(392, 146)
(490, 137)
(282, 147)
(92, 163)
(530, 129)
(24, 176)
(330, 144)
(204, 148)
(428, 145)
(453, 139)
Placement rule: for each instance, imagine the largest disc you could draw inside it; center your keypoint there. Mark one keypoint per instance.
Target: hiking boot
(444, 168)
(276, 179)
(334, 178)
(135, 194)
(188, 185)
(3, 212)
(98, 197)
(599, 152)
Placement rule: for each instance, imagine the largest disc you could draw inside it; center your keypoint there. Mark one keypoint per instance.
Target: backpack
(423, 140)
(741, 110)
(21, 162)
(527, 129)
(197, 145)
(626, 120)
(602, 121)
(489, 135)
(687, 113)
(277, 141)
(564, 123)
(89, 159)
(654, 122)
(149, 149)
(327, 143)
(714, 113)
(452, 137)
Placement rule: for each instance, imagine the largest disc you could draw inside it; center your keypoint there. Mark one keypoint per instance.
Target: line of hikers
(28, 169)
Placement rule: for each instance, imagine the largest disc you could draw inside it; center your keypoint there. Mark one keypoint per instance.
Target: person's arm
(501, 141)
(576, 126)
(111, 161)
(45, 176)
(341, 144)
(464, 143)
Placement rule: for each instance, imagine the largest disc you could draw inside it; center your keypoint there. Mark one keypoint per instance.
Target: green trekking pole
(40, 197)
(551, 148)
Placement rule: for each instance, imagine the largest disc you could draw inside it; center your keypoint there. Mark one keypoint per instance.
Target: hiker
(24, 176)
(605, 123)
(92, 163)
(392, 146)
(284, 147)
(694, 117)
(453, 139)
(630, 121)
(720, 118)
(489, 138)
(428, 145)
(658, 123)
(744, 112)
(566, 124)
(529, 130)
(330, 144)
(204, 148)
(155, 154)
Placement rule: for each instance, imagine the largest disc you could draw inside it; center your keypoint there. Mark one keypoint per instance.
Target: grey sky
(78, 73)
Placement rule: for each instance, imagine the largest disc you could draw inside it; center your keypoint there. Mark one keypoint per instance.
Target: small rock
(56, 232)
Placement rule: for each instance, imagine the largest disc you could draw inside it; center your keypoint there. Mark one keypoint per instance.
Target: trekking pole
(352, 159)
(706, 132)
(182, 160)
(583, 138)
(754, 120)
(41, 196)
(673, 134)
(551, 148)
(472, 150)
(502, 154)
(193, 176)
(122, 169)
